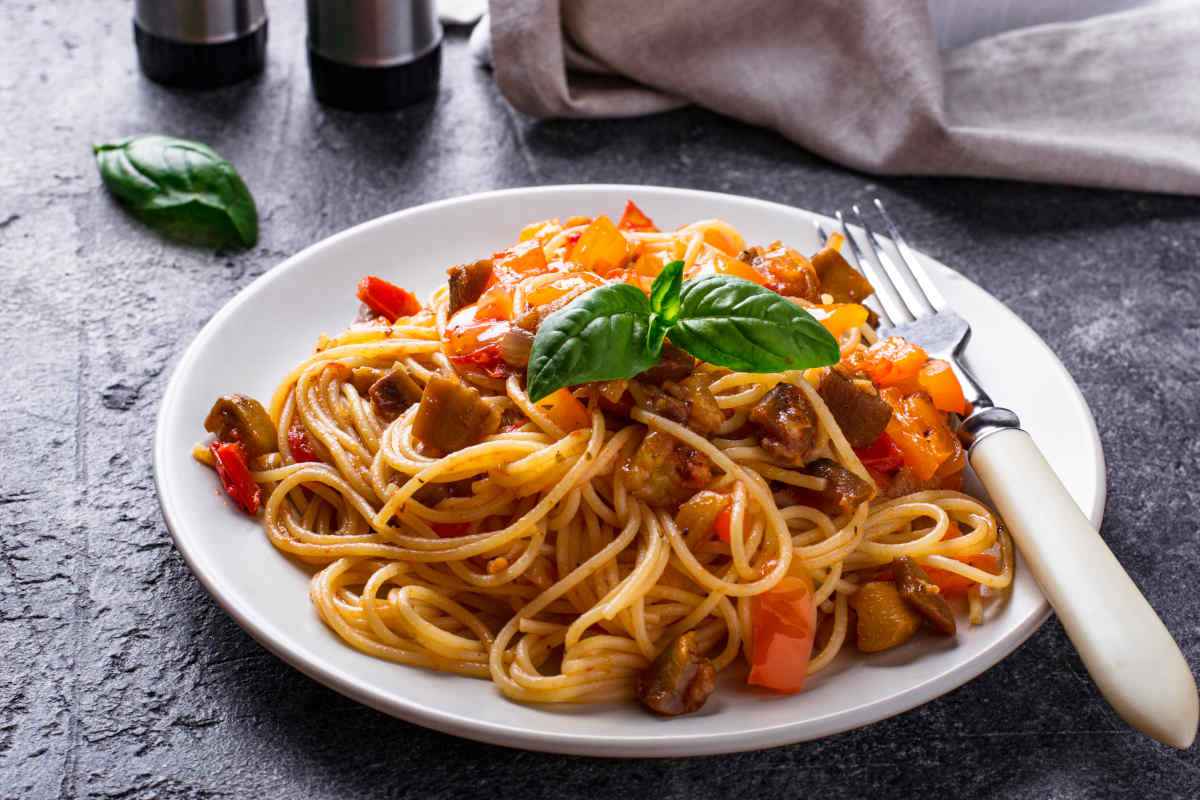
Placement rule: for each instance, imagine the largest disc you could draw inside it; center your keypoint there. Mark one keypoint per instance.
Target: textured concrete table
(120, 677)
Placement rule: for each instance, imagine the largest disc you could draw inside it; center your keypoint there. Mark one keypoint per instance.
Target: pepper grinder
(373, 55)
(200, 44)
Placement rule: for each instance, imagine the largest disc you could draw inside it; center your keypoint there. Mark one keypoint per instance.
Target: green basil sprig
(181, 188)
(615, 331)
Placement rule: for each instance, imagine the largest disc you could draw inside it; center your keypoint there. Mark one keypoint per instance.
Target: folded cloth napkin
(1111, 101)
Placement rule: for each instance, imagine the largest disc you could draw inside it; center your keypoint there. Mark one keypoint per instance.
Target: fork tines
(903, 288)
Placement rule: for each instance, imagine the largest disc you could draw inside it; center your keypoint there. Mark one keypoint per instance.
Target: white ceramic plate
(272, 325)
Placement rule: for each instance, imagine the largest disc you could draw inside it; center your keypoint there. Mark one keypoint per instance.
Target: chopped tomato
(842, 317)
(470, 340)
(601, 247)
(784, 622)
(940, 382)
(565, 410)
(521, 259)
(230, 458)
(387, 299)
(723, 523)
(299, 444)
(447, 530)
(633, 219)
(921, 432)
(891, 362)
(882, 455)
(495, 303)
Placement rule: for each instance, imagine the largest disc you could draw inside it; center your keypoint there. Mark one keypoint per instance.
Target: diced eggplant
(665, 472)
(453, 416)
(840, 280)
(679, 681)
(860, 414)
(844, 491)
(923, 595)
(238, 418)
(392, 394)
(788, 424)
(467, 282)
(884, 619)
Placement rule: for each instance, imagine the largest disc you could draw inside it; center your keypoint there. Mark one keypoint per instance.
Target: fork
(1125, 646)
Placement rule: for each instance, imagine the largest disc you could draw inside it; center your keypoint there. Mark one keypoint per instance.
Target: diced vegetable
(468, 281)
(232, 469)
(923, 595)
(299, 444)
(882, 456)
(601, 247)
(242, 419)
(884, 619)
(941, 384)
(679, 680)
(393, 393)
(523, 259)
(452, 416)
(861, 414)
(890, 362)
(565, 410)
(921, 433)
(700, 514)
(387, 299)
(715, 238)
(842, 317)
(838, 279)
(784, 625)
(633, 219)
(737, 268)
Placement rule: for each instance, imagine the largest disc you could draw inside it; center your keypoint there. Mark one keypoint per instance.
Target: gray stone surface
(121, 678)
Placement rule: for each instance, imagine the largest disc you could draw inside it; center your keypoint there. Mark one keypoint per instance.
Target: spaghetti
(531, 557)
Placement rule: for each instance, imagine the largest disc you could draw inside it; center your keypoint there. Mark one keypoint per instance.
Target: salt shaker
(373, 55)
(200, 44)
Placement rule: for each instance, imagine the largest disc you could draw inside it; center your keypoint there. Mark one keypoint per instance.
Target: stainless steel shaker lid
(373, 33)
(199, 21)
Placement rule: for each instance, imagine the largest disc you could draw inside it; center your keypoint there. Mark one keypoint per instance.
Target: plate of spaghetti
(608, 470)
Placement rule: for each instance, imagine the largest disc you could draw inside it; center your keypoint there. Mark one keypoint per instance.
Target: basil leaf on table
(602, 335)
(182, 188)
(738, 324)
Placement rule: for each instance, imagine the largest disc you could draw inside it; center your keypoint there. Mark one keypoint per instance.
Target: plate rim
(569, 743)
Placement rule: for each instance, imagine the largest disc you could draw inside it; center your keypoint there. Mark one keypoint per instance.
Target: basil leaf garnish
(738, 324)
(664, 292)
(183, 189)
(602, 335)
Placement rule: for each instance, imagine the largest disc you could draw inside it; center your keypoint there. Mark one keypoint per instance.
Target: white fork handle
(1125, 646)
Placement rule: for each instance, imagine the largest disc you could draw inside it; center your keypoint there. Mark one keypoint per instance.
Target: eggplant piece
(679, 681)
(392, 394)
(923, 595)
(238, 418)
(884, 619)
(844, 491)
(467, 282)
(788, 424)
(453, 416)
(861, 415)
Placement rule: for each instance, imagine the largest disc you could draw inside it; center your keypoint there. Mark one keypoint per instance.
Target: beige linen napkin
(1112, 101)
